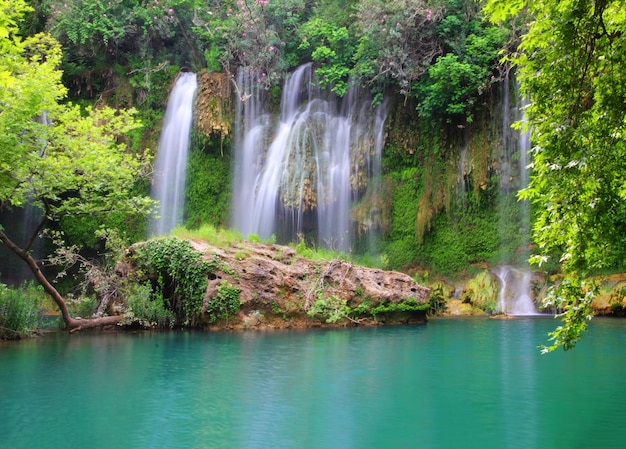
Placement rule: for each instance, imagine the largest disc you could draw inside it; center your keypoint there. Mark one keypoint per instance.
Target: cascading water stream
(171, 161)
(302, 173)
(515, 296)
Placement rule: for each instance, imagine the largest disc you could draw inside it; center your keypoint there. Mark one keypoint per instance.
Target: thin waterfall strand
(171, 162)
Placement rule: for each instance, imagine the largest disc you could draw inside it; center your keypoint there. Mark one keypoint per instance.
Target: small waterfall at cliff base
(171, 161)
(515, 296)
(302, 173)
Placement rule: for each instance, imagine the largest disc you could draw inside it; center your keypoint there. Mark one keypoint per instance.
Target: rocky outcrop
(278, 287)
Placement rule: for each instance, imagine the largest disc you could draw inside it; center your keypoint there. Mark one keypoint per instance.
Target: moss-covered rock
(482, 291)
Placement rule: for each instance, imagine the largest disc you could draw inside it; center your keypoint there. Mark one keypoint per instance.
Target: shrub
(20, 310)
(331, 309)
(147, 310)
(82, 306)
(226, 304)
(176, 274)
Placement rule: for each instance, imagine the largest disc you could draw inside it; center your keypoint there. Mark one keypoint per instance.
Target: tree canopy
(65, 160)
(571, 65)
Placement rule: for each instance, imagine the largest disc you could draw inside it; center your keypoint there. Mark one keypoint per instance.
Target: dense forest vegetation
(101, 72)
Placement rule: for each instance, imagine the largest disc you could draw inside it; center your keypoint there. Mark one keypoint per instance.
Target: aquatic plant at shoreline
(20, 310)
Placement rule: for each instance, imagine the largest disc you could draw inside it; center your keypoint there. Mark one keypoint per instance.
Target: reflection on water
(450, 384)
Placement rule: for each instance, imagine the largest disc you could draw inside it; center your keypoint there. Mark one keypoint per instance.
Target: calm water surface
(454, 383)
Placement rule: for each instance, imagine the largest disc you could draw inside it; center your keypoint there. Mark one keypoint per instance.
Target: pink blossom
(243, 34)
(272, 48)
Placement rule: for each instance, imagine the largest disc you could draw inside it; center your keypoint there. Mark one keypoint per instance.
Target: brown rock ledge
(278, 286)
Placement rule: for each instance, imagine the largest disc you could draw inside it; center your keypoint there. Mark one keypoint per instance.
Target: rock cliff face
(279, 288)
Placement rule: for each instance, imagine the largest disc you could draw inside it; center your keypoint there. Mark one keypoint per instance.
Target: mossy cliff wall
(453, 188)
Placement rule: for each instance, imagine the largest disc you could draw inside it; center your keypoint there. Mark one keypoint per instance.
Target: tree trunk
(72, 324)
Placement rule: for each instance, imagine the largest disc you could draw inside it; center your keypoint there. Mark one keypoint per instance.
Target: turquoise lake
(453, 383)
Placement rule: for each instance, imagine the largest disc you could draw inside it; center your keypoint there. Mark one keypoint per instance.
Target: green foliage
(459, 240)
(434, 224)
(82, 230)
(331, 309)
(177, 273)
(396, 40)
(81, 306)
(570, 64)
(470, 64)
(573, 296)
(337, 12)
(20, 310)
(225, 305)
(482, 292)
(332, 47)
(577, 181)
(71, 162)
(219, 237)
(407, 185)
(438, 299)
(256, 35)
(407, 305)
(451, 89)
(152, 83)
(207, 192)
(146, 309)
(73, 166)
(318, 253)
(96, 35)
(402, 248)
(463, 236)
(213, 55)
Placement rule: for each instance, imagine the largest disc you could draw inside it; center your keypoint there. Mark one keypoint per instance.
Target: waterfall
(515, 295)
(171, 161)
(301, 173)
